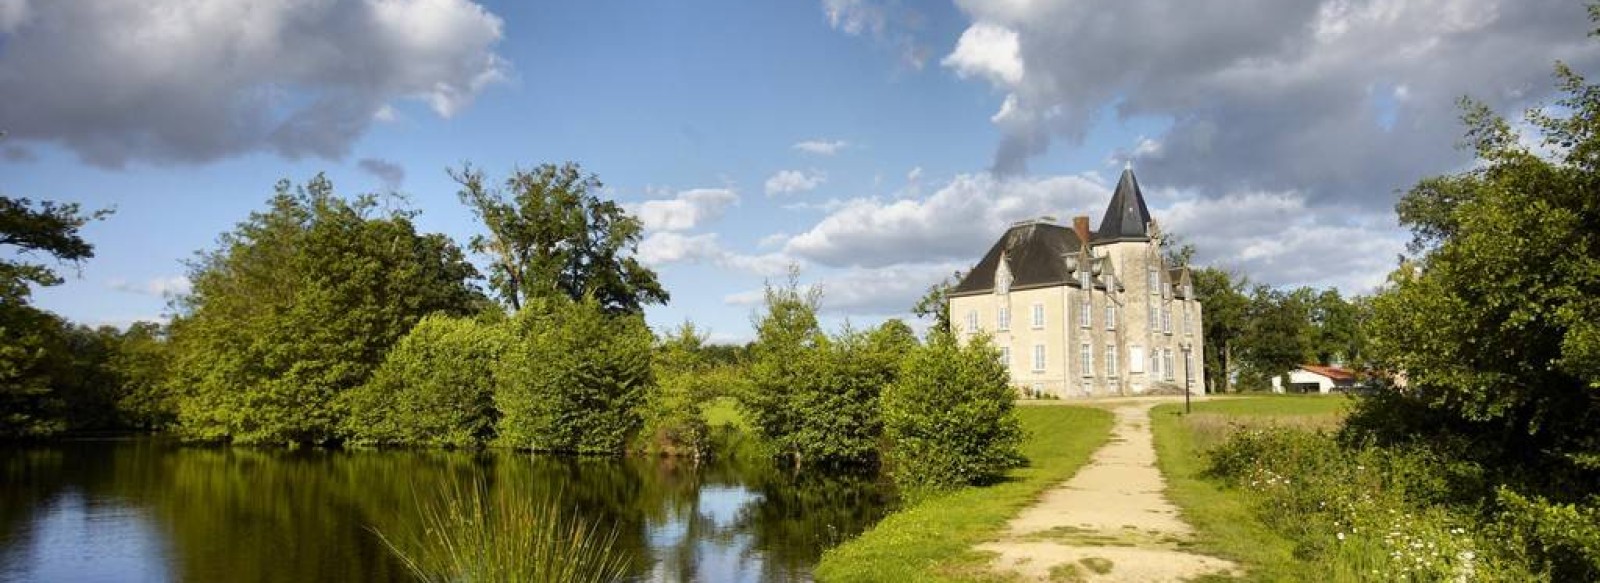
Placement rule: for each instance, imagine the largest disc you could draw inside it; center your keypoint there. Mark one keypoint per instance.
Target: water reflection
(146, 510)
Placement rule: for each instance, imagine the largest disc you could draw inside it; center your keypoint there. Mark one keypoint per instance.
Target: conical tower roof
(1127, 218)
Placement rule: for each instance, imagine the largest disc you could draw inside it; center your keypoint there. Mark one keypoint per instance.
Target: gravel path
(1110, 522)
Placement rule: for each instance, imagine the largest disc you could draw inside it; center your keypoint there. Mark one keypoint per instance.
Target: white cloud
(666, 248)
(791, 181)
(686, 210)
(821, 147)
(989, 51)
(956, 223)
(889, 22)
(914, 175)
(877, 292)
(181, 81)
(165, 286)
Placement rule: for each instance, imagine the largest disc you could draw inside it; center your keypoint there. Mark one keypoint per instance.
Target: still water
(149, 510)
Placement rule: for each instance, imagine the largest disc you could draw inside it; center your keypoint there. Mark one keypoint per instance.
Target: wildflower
(1341, 536)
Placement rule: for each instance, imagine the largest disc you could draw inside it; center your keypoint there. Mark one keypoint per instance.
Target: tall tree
(1226, 306)
(300, 303)
(1496, 324)
(1276, 334)
(549, 233)
(936, 303)
(44, 228)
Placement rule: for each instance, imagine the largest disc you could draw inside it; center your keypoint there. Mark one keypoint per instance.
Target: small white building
(1311, 378)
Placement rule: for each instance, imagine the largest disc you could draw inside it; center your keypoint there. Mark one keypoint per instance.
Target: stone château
(1081, 313)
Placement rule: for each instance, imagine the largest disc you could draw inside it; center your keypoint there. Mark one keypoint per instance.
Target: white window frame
(1152, 281)
(1085, 311)
(1188, 368)
(1086, 359)
(1166, 319)
(1166, 358)
(1155, 363)
(1002, 319)
(1188, 322)
(1154, 315)
(972, 321)
(1005, 357)
(1038, 358)
(1111, 316)
(1038, 316)
(1111, 361)
(1136, 359)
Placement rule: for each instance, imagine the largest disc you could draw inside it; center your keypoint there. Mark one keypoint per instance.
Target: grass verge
(933, 540)
(1225, 524)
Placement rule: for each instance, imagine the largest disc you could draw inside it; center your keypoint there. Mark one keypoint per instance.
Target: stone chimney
(1080, 224)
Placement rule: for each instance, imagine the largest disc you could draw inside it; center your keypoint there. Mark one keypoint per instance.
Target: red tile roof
(1332, 372)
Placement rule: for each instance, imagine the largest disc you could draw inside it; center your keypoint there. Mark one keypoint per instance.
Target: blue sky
(876, 145)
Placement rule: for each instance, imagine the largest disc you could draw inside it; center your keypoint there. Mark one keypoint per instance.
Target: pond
(149, 510)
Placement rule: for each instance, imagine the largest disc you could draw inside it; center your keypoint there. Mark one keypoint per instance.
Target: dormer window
(1002, 278)
(1083, 280)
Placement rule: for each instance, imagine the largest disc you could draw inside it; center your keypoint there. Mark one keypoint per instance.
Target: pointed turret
(1127, 218)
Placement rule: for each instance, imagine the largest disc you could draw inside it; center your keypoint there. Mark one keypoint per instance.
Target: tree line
(324, 320)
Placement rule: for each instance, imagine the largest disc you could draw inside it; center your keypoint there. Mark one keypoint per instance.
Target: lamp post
(1187, 376)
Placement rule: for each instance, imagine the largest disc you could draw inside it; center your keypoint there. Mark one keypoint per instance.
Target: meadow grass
(933, 540)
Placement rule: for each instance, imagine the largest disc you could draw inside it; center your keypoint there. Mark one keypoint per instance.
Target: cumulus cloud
(686, 210)
(821, 147)
(390, 174)
(665, 248)
(179, 81)
(1338, 100)
(958, 222)
(792, 181)
(166, 286)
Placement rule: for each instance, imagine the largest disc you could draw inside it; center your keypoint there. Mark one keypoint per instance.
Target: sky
(877, 146)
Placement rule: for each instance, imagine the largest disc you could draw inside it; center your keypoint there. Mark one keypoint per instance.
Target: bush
(674, 410)
(435, 387)
(573, 378)
(950, 418)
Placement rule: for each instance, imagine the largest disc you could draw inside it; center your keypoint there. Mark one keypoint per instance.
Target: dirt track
(1110, 522)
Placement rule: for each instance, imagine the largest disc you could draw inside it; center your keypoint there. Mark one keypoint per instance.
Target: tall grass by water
(471, 532)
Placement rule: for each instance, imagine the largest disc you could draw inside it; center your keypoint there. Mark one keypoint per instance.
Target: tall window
(1155, 363)
(1111, 360)
(1005, 357)
(1085, 360)
(1038, 358)
(1038, 315)
(972, 321)
(1166, 319)
(1083, 311)
(1188, 366)
(1151, 280)
(1135, 359)
(1083, 280)
(1003, 319)
(1111, 316)
(1154, 320)
(1166, 363)
(1188, 324)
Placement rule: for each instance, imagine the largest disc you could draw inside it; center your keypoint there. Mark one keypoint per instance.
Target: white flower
(1341, 536)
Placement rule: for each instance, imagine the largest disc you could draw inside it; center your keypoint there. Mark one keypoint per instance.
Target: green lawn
(933, 540)
(1223, 520)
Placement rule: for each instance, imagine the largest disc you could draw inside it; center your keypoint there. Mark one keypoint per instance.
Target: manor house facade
(1081, 313)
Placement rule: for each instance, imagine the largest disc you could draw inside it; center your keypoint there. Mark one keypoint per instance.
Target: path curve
(1110, 522)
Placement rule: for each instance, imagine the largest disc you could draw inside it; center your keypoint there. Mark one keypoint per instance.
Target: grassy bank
(1226, 524)
(932, 541)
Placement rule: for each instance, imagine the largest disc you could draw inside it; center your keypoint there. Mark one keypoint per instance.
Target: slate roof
(1033, 250)
(1127, 218)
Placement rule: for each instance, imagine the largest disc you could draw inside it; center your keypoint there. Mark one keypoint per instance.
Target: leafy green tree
(814, 399)
(140, 363)
(674, 410)
(574, 379)
(950, 417)
(1226, 307)
(936, 303)
(1496, 322)
(1276, 336)
(298, 304)
(35, 360)
(1336, 328)
(550, 234)
(435, 387)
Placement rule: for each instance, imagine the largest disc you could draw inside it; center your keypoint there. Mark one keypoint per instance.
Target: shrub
(950, 417)
(673, 412)
(573, 378)
(435, 387)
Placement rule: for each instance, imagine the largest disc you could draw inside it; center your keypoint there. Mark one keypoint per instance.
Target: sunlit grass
(933, 540)
(469, 532)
